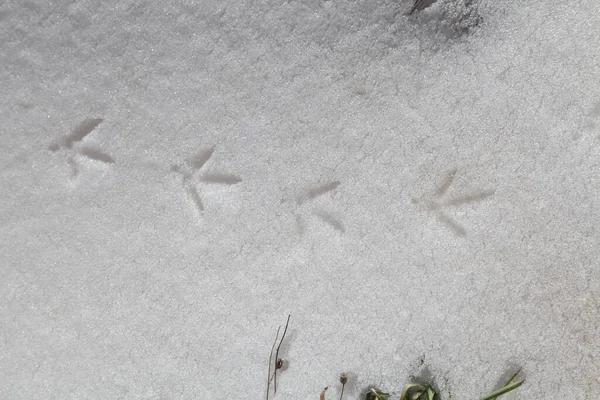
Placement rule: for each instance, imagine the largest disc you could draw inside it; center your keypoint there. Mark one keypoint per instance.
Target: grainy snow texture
(421, 193)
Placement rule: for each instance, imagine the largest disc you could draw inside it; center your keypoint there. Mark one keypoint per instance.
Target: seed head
(343, 378)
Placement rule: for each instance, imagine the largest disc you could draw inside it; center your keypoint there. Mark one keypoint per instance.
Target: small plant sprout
(424, 391)
(376, 394)
(343, 381)
(417, 391)
(278, 361)
(508, 386)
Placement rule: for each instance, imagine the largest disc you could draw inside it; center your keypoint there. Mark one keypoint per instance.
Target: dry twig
(270, 357)
(279, 361)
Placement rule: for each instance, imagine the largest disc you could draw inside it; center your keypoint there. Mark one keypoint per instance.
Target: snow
(420, 193)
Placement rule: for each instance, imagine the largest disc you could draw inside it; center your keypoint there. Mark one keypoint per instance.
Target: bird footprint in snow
(436, 203)
(326, 216)
(67, 143)
(191, 169)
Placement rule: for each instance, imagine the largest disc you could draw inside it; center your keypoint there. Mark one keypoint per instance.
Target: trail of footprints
(192, 173)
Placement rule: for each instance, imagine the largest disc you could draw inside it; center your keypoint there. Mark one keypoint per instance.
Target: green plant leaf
(505, 389)
(430, 393)
(376, 394)
(512, 378)
(417, 391)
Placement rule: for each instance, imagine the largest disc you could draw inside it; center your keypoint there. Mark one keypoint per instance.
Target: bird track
(69, 145)
(192, 173)
(438, 205)
(191, 169)
(326, 216)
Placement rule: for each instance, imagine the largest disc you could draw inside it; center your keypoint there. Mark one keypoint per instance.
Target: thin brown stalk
(277, 361)
(270, 358)
(343, 380)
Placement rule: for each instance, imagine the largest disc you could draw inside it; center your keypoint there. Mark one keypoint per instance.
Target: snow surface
(420, 193)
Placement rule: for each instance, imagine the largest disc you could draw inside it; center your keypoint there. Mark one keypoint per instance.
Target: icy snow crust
(420, 193)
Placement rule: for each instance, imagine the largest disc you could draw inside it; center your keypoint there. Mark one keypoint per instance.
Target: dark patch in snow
(321, 190)
(198, 161)
(450, 18)
(81, 131)
(223, 179)
(96, 155)
(331, 220)
(195, 197)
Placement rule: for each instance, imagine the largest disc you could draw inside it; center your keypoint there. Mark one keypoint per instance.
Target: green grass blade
(503, 390)
(512, 378)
